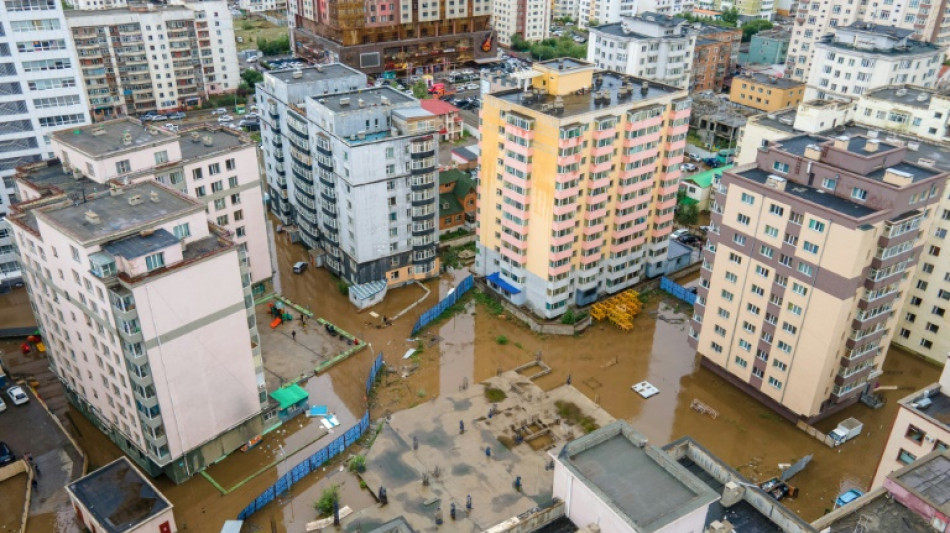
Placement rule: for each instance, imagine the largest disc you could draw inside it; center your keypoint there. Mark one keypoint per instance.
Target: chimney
(731, 494)
(114, 190)
(813, 152)
(135, 199)
(841, 142)
(208, 140)
(297, 74)
(775, 182)
(871, 146)
(361, 102)
(126, 137)
(723, 526)
(153, 196)
(897, 177)
(92, 217)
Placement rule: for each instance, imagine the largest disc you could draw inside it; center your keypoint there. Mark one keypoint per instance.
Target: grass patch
(519, 346)
(494, 395)
(357, 463)
(501, 339)
(450, 256)
(252, 30)
(455, 234)
(572, 413)
(489, 302)
(421, 393)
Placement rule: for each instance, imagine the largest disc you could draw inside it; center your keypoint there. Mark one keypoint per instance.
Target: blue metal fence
(677, 290)
(318, 459)
(433, 312)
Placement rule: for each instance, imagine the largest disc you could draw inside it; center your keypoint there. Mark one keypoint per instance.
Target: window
(795, 309)
(799, 289)
(738, 239)
(719, 330)
(196, 174)
(222, 220)
(217, 186)
(743, 219)
(939, 311)
(238, 215)
(788, 328)
(121, 167)
(155, 261)
(784, 346)
(779, 365)
(230, 164)
(809, 247)
(766, 251)
(161, 157)
(806, 269)
(754, 309)
(905, 457)
(200, 191)
(747, 198)
(726, 295)
(182, 231)
(762, 271)
(740, 361)
(777, 210)
(214, 168)
(778, 166)
(735, 258)
(829, 183)
(816, 225)
(758, 291)
(757, 372)
(859, 194)
(723, 313)
(748, 327)
(220, 204)
(240, 231)
(770, 231)
(731, 278)
(775, 383)
(715, 347)
(927, 344)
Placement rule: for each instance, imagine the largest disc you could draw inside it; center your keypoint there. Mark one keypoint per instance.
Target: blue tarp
(495, 279)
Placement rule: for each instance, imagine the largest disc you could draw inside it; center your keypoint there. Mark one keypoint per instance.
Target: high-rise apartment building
(260, 6)
(812, 251)
(652, 46)
(40, 90)
(926, 21)
(354, 171)
(864, 56)
(529, 18)
(216, 166)
(148, 317)
(153, 57)
(916, 111)
(398, 36)
(594, 157)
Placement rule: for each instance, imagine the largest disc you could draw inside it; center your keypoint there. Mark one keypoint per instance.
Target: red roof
(438, 107)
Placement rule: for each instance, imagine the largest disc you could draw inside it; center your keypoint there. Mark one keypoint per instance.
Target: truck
(846, 430)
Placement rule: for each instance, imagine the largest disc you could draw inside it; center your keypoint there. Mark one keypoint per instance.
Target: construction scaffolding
(620, 310)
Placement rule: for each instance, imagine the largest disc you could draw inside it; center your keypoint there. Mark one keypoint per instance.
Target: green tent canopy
(289, 395)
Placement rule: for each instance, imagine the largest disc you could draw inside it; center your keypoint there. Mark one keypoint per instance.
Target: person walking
(293, 335)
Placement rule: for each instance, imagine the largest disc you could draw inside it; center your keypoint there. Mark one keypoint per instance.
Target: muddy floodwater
(602, 363)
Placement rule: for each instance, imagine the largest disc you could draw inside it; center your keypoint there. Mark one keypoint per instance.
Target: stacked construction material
(620, 310)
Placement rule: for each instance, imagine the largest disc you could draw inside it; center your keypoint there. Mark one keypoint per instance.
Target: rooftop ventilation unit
(92, 217)
(297, 74)
(135, 199)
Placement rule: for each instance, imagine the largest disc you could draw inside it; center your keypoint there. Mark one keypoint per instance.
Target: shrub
(330, 496)
(357, 463)
(501, 339)
(494, 395)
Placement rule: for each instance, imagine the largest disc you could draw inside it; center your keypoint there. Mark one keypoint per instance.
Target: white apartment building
(40, 90)
(147, 314)
(663, 7)
(906, 109)
(530, 18)
(863, 56)
(354, 170)
(652, 46)
(260, 6)
(927, 21)
(154, 57)
(598, 12)
(566, 9)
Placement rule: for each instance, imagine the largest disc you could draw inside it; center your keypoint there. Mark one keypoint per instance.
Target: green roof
(449, 176)
(686, 200)
(289, 395)
(449, 204)
(704, 179)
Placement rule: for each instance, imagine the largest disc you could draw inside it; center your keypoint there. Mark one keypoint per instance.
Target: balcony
(102, 266)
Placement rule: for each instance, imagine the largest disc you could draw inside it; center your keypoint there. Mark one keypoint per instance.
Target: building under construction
(394, 38)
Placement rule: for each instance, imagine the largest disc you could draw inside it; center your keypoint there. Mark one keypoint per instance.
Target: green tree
(251, 76)
(420, 90)
(731, 16)
(687, 215)
(518, 43)
(752, 27)
(273, 47)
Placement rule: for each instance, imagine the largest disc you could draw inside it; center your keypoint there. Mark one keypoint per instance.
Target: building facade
(663, 7)
(41, 91)
(263, 6)
(769, 47)
(400, 37)
(812, 250)
(529, 18)
(154, 58)
(450, 121)
(862, 57)
(652, 46)
(458, 200)
(355, 161)
(596, 236)
(906, 109)
(148, 318)
(766, 93)
(715, 56)
(927, 22)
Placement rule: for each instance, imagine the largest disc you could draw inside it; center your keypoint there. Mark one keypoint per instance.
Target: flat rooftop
(641, 483)
(742, 515)
(882, 514)
(565, 64)
(116, 215)
(879, 29)
(810, 194)
(857, 145)
(372, 96)
(118, 496)
(137, 245)
(939, 408)
(107, 137)
(781, 83)
(930, 479)
(51, 179)
(616, 29)
(577, 104)
(312, 74)
(221, 139)
(907, 95)
(912, 47)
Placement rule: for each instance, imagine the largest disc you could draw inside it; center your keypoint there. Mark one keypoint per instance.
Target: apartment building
(768, 47)
(529, 18)
(766, 93)
(748, 9)
(585, 238)
(394, 36)
(565, 9)
(651, 46)
(151, 57)
(813, 249)
(926, 21)
(263, 6)
(148, 317)
(715, 56)
(916, 111)
(361, 177)
(40, 91)
(863, 56)
(663, 7)
(921, 426)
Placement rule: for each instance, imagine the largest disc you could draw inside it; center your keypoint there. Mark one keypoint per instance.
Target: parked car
(693, 157)
(6, 454)
(17, 396)
(172, 127)
(177, 115)
(251, 116)
(712, 162)
(473, 87)
(148, 116)
(679, 233)
(706, 228)
(222, 119)
(300, 267)
(220, 111)
(688, 167)
(690, 240)
(158, 118)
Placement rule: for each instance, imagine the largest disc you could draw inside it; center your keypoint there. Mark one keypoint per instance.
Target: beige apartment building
(153, 57)
(812, 249)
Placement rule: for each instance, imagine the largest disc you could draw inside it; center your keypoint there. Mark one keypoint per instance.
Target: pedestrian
(33, 483)
(303, 320)
(36, 468)
(293, 335)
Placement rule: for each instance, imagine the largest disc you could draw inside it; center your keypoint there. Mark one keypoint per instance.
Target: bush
(494, 395)
(357, 463)
(572, 413)
(563, 46)
(568, 317)
(330, 496)
(501, 339)
(494, 306)
(273, 47)
(343, 287)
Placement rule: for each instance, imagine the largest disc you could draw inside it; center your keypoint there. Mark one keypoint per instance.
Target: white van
(300, 267)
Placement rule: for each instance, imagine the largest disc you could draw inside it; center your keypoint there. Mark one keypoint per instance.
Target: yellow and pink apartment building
(578, 184)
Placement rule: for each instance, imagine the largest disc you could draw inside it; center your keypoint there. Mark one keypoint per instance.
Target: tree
(420, 90)
(273, 47)
(251, 77)
(730, 15)
(518, 43)
(752, 27)
(687, 215)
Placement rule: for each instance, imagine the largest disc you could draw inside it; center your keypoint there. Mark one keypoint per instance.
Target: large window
(30, 5)
(155, 261)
